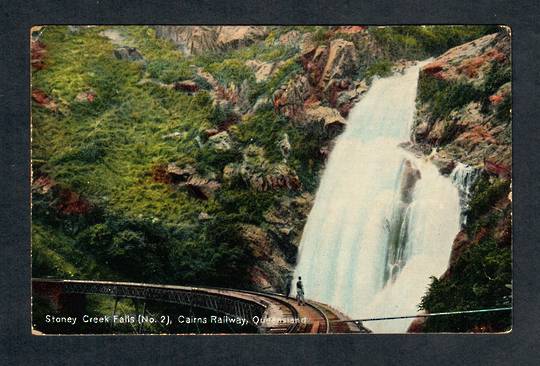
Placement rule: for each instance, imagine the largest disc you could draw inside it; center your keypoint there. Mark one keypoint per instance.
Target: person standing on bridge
(300, 292)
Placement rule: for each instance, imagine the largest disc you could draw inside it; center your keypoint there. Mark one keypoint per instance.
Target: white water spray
(383, 221)
(464, 176)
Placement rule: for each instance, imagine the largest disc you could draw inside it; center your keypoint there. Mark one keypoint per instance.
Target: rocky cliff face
(194, 40)
(464, 120)
(327, 89)
(465, 98)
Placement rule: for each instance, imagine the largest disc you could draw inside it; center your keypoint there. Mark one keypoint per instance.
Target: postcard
(271, 179)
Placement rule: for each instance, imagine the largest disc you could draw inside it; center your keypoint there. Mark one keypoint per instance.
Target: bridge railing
(187, 296)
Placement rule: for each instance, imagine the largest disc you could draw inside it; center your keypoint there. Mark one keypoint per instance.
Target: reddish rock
(211, 132)
(159, 174)
(43, 100)
(187, 85)
(500, 170)
(496, 55)
(471, 66)
(172, 173)
(202, 188)
(311, 101)
(461, 243)
(88, 96)
(434, 69)
(341, 62)
(71, 203)
(67, 202)
(472, 59)
(37, 55)
(313, 62)
(289, 99)
(496, 99)
(351, 29)
(43, 184)
(40, 97)
(418, 324)
(476, 135)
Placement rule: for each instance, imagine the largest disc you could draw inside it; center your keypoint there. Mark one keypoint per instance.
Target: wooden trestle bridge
(268, 312)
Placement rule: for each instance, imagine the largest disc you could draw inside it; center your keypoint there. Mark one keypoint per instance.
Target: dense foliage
(445, 96)
(140, 229)
(419, 42)
(482, 276)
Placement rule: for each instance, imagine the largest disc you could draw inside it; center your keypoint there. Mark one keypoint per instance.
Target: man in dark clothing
(300, 292)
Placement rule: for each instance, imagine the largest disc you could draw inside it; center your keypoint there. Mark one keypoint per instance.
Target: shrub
(485, 195)
(231, 70)
(419, 42)
(444, 96)
(320, 35)
(381, 68)
(497, 75)
(479, 281)
(169, 71)
(503, 112)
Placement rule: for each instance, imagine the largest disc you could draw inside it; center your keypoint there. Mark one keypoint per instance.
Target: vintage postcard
(271, 179)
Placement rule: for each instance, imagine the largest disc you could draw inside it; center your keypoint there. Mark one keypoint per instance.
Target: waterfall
(464, 176)
(384, 220)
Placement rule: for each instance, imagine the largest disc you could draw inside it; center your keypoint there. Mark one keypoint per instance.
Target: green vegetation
(482, 275)
(138, 228)
(497, 76)
(445, 96)
(380, 68)
(320, 35)
(231, 70)
(487, 193)
(480, 281)
(419, 42)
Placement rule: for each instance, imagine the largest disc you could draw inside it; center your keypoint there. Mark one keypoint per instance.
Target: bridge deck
(271, 312)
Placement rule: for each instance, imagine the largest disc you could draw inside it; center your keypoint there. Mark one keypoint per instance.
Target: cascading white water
(383, 221)
(464, 176)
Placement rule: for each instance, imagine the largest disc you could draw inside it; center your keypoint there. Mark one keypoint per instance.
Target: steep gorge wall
(464, 117)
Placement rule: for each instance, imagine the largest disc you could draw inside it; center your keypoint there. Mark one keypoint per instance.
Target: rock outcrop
(461, 121)
(66, 202)
(271, 267)
(327, 89)
(37, 55)
(275, 243)
(471, 59)
(263, 70)
(186, 177)
(220, 141)
(475, 133)
(341, 64)
(128, 54)
(194, 40)
(44, 100)
(260, 174)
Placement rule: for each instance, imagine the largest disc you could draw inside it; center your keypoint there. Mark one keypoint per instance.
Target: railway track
(270, 312)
